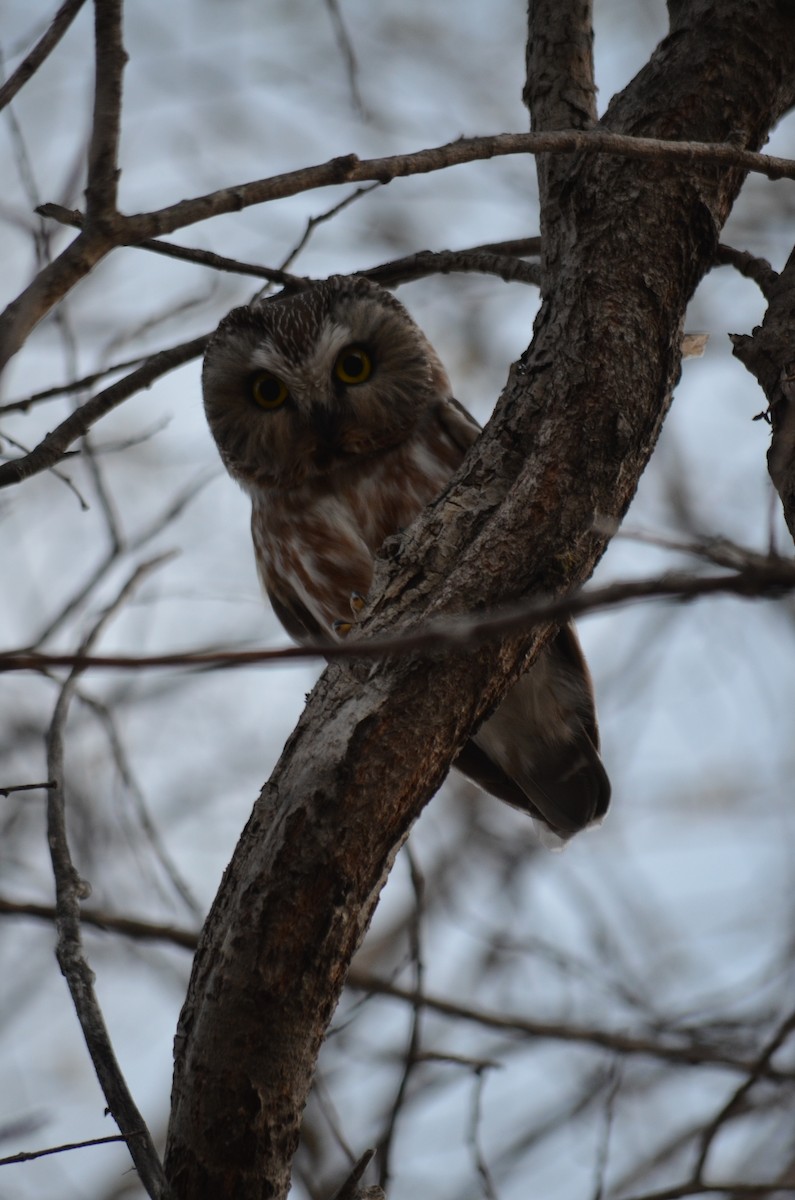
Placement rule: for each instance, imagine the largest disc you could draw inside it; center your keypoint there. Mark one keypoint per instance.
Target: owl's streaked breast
(317, 541)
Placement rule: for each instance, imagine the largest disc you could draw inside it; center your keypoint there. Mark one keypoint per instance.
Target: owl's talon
(357, 601)
(342, 628)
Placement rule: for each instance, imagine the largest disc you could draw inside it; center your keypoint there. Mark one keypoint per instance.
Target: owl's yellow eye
(353, 365)
(267, 390)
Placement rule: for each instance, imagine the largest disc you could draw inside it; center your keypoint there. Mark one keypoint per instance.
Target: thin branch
(145, 931)
(27, 787)
(192, 254)
(346, 48)
(110, 58)
(45, 45)
(695, 1187)
(52, 448)
(69, 606)
(620, 1043)
(55, 280)
(322, 218)
(70, 890)
(145, 819)
(479, 1158)
(446, 262)
(773, 577)
(187, 939)
(751, 266)
(29, 1155)
(349, 168)
(733, 1105)
(603, 1147)
(412, 1050)
(494, 258)
(65, 479)
(349, 1187)
(75, 385)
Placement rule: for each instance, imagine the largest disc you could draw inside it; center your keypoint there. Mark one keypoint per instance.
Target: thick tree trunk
(526, 516)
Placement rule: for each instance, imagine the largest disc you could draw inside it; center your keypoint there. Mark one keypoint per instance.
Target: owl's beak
(326, 428)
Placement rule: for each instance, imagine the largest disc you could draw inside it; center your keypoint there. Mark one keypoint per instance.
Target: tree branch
(567, 443)
(769, 355)
(759, 576)
(614, 1041)
(688, 1055)
(560, 93)
(350, 169)
(52, 448)
(45, 45)
(70, 889)
(54, 281)
(103, 153)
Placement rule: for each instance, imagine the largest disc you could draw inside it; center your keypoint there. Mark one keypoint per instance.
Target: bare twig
(349, 1187)
(750, 265)
(70, 890)
(145, 818)
(772, 577)
(56, 279)
(733, 1105)
(497, 258)
(322, 218)
(29, 1155)
(65, 479)
(620, 1043)
(192, 254)
(46, 43)
(346, 48)
(53, 447)
(186, 939)
(27, 787)
(110, 58)
(603, 1147)
(445, 262)
(147, 931)
(75, 385)
(481, 1166)
(728, 1187)
(412, 1049)
(351, 169)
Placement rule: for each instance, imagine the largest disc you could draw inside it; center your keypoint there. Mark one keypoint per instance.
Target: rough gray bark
(526, 515)
(560, 93)
(769, 354)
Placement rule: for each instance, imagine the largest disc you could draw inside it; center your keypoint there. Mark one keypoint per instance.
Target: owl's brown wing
(539, 750)
(461, 428)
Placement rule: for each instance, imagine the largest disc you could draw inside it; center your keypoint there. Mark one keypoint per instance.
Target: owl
(332, 410)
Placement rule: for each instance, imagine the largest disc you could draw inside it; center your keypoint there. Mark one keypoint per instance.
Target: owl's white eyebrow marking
(270, 356)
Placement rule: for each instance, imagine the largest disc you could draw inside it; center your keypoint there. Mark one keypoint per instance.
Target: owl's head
(304, 383)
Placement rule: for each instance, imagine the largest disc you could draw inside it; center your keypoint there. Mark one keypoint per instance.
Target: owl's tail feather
(569, 789)
(539, 749)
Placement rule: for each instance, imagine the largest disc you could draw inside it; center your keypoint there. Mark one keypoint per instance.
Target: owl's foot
(342, 627)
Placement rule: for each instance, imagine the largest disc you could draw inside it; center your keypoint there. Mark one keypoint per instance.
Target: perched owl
(332, 410)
